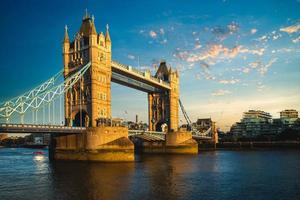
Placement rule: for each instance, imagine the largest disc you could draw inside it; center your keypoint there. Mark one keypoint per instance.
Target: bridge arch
(81, 118)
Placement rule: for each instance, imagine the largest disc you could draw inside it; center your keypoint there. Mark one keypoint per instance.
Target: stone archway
(158, 126)
(81, 119)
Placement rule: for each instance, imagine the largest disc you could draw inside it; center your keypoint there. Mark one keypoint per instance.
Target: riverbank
(249, 145)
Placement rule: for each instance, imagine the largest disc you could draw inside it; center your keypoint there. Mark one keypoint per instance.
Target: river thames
(214, 175)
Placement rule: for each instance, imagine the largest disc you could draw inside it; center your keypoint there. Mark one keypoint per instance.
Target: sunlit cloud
(220, 93)
(216, 51)
(291, 29)
(197, 45)
(152, 34)
(230, 81)
(253, 31)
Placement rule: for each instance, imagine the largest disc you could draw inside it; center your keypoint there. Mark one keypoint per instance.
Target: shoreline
(254, 145)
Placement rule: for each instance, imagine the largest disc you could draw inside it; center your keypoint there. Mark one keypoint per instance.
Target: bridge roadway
(46, 129)
(34, 128)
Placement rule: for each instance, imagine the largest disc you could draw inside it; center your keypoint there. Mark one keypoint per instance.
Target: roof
(87, 27)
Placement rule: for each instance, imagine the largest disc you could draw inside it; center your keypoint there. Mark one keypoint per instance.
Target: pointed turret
(66, 37)
(93, 28)
(107, 36)
(66, 48)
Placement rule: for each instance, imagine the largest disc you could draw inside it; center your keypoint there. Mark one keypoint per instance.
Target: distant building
(207, 127)
(257, 116)
(256, 123)
(253, 123)
(289, 117)
(203, 125)
(38, 138)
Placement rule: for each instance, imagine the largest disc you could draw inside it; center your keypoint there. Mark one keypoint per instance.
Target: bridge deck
(33, 128)
(144, 77)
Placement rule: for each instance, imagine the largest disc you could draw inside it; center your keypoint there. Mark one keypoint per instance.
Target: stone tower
(163, 106)
(88, 101)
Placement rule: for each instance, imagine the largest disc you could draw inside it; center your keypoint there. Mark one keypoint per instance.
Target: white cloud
(253, 31)
(291, 29)
(260, 87)
(164, 41)
(296, 40)
(254, 65)
(131, 57)
(220, 93)
(263, 69)
(161, 31)
(197, 45)
(246, 70)
(152, 34)
(232, 27)
(231, 81)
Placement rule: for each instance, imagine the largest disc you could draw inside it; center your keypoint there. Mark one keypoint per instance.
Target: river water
(209, 175)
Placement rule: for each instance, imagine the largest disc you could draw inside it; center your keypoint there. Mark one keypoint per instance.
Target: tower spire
(107, 36)
(66, 37)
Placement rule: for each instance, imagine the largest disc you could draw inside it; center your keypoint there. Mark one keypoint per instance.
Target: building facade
(289, 117)
(253, 123)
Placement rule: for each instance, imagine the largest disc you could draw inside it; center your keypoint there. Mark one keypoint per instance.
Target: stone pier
(178, 142)
(105, 144)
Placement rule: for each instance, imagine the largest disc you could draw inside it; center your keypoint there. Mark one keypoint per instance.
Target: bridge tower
(90, 99)
(163, 107)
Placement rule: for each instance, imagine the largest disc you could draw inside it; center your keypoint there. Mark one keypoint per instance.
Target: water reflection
(156, 177)
(209, 175)
(91, 180)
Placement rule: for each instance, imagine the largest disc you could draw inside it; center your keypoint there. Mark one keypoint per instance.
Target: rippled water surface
(209, 175)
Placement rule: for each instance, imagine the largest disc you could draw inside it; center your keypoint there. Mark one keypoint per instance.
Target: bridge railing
(40, 126)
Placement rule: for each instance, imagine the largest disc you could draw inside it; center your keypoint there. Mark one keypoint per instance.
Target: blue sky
(232, 55)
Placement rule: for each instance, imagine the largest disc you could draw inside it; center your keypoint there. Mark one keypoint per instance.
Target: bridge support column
(104, 144)
(178, 142)
(181, 142)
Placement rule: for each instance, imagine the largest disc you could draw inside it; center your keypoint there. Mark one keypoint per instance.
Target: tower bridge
(88, 70)
(89, 46)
